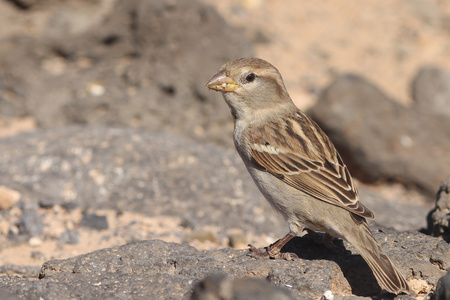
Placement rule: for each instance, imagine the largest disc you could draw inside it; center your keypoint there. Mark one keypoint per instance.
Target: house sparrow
(296, 167)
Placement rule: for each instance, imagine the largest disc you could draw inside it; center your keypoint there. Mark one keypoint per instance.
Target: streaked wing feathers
(311, 170)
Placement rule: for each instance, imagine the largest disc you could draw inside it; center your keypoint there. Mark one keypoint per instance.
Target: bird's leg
(273, 251)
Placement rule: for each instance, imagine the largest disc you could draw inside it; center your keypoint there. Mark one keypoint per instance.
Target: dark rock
(439, 217)
(23, 271)
(94, 221)
(38, 255)
(30, 223)
(416, 255)
(71, 236)
(46, 203)
(23, 4)
(150, 173)
(5, 295)
(381, 140)
(15, 237)
(431, 90)
(221, 286)
(156, 269)
(395, 214)
(443, 288)
(69, 206)
(140, 63)
(188, 222)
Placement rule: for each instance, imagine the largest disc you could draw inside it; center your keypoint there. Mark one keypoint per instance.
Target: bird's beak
(221, 82)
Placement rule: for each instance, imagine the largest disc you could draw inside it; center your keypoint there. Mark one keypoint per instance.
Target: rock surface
(431, 90)
(171, 270)
(221, 286)
(134, 170)
(380, 139)
(443, 288)
(439, 217)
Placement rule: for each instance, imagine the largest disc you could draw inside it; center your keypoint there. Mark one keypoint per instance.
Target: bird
(296, 166)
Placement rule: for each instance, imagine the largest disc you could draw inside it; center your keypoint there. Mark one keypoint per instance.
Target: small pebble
(35, 241)
(30, 222)
(13, 230)
(328, 295)
(236, 239)
(46, 203)
(202, 236)
(8, 197)
(188, 222)
(70, 236)
(37, 255)
(94, 221)
(69, 206)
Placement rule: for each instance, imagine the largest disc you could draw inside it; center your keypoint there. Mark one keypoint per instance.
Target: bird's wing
(307, 161)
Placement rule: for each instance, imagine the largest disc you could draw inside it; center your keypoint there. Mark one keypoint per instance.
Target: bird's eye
(250, 77)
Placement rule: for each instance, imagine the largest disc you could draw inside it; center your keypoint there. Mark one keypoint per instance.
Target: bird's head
(250, 86)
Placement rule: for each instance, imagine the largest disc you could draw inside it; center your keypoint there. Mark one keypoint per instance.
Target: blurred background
(311, 43)
(374, 75)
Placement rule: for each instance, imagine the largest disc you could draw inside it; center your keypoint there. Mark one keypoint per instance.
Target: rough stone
(380, 139)
(150, 173)
(431, 90)
(443, 288)
(221, 286)
(439, 217)
(94, 221)
(30, 223)
(172, 270)
(30, 272)
(70, 236)
(5, 295)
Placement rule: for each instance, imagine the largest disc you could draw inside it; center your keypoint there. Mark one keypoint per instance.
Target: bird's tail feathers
(387, 275)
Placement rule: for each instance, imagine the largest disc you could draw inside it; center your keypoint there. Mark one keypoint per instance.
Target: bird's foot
(256, 253)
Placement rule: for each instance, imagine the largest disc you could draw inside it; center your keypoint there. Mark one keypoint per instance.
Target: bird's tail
(387, 275)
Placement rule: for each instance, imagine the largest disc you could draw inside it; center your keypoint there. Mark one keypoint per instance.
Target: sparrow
(296, 167)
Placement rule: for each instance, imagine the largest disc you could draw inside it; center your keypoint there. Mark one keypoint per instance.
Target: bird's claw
(256, 253)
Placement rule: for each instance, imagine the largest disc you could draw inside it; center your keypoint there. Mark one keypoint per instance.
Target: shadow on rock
(355, 269)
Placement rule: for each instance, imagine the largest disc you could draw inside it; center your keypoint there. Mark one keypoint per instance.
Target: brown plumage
(295, 165)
